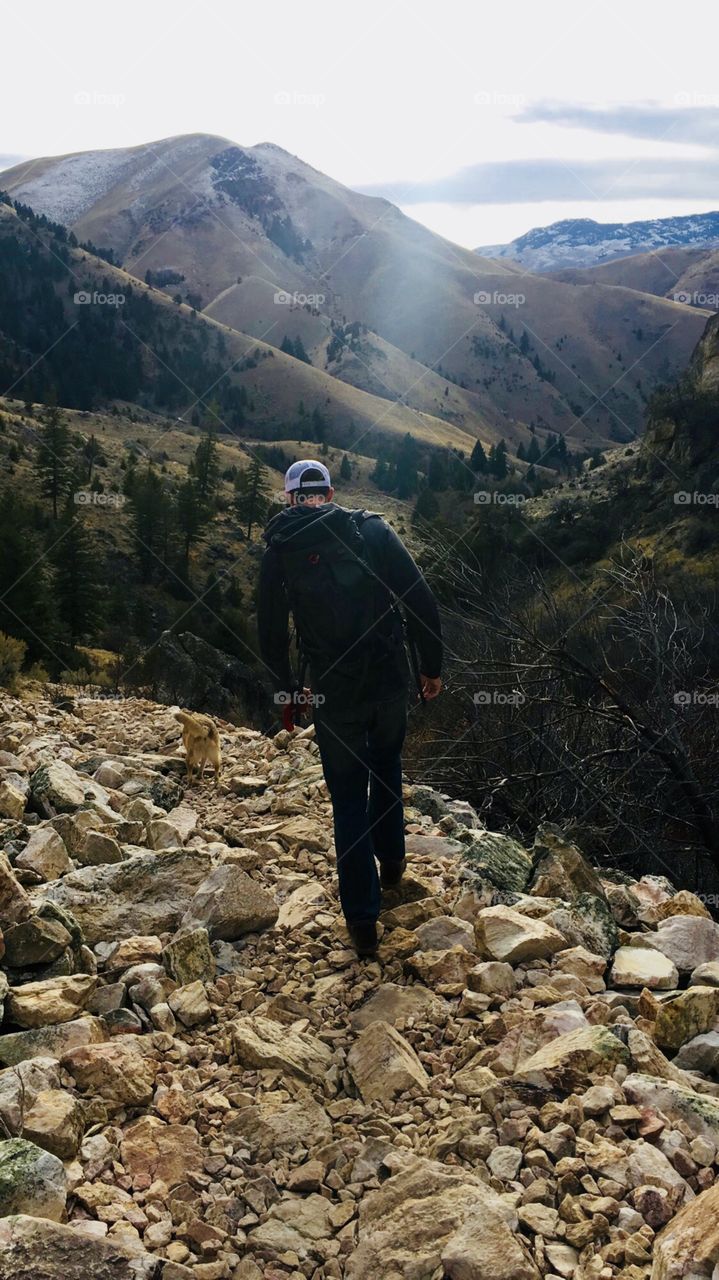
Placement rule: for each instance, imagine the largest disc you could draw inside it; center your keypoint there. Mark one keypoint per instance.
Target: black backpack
(345, 619)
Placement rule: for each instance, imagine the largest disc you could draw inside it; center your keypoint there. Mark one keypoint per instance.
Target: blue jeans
(360, 749)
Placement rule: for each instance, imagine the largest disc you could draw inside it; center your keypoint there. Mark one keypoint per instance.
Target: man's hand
(431, 686)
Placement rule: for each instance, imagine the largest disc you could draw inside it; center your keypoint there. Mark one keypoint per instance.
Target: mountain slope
(158, 352)
(230, 227)
(582, 242)
(687, 275)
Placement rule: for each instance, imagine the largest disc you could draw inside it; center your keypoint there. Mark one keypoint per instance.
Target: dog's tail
(203, 725)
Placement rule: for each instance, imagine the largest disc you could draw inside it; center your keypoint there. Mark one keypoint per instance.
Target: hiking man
(341, 574)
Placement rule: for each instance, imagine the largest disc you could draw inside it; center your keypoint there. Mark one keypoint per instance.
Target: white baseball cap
(294, 474)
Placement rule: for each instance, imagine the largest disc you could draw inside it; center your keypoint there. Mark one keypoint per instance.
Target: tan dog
(201, 742)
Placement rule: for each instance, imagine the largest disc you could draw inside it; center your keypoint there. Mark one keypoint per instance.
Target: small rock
(445, 932)
(97, 848)
(505, 934)
(643, 967)
(259, 1042)
(383, 1064)
(190, 1004)
(187, 957)
(12, 800)
(229, 903)
(392, 1003)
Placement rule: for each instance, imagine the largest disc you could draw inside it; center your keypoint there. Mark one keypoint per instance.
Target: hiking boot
(364, 936)
(390, 873)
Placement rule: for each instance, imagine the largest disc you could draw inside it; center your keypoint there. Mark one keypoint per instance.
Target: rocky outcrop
(189, 672)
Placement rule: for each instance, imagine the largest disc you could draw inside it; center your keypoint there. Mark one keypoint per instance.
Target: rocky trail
(200, 1081)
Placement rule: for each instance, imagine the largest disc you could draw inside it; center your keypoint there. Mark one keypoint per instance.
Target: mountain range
(582, 242)
(396, 325)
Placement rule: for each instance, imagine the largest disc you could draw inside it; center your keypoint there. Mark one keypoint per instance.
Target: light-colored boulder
(301, 906)
(700, 1054)
(705, 975)
(444, 971)
(569, 1061)
(497, 857)
(55, 1122)
(147, 893)
(688, 941)
(15, 904)
(275, 1125)
(505, 934)
(430, 1216)
(44, 1250)
(295, 1226)
(58, 788)
(643, 967)
(229, 903)
(19, 1087)
(36, 941)
(560, 868)
(41, 1004)
(116, 1072)
(688, 1247)
(493, 978)
(259, 1042)
(190, 1004)
(31, 1181)
(689, 1014)
(444, 932)
(473, 1080)
(51, 1042)
(97, 848)
(383, 1064)
(586, 921)
(696, 1110)
(648, 1166)
(12, 800)
(151, 1149)
(393, 1003)
(585, 965)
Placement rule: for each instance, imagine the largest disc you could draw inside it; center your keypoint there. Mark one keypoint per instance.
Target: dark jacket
(399, 579)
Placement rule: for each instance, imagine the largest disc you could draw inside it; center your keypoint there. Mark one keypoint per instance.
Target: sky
(479, 119)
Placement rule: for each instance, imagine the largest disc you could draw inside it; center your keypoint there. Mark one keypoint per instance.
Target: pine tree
(252, 495)
(521, 452)
(28, 608)
(379, 474)
(288, 346)
(407, 480)
(534, 452)
(191, 515)
(437, 472)
(76, 583)
(205, 468)
(478, 458)
(54, 458)
(92, 453)
(152, 521)
(498, 460)
(426, 507)
(300, 353)
(345, 468)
